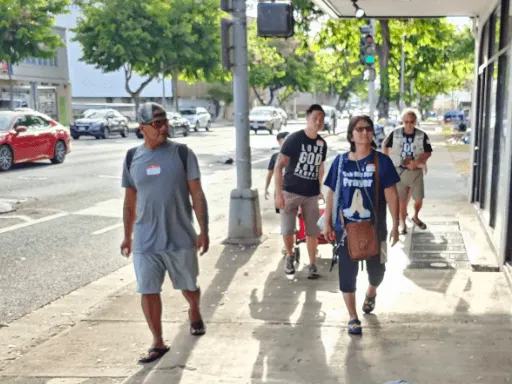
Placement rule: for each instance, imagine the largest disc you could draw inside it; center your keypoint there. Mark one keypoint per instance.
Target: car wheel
(196, 128)
(6, 158)
(208, 125)
(106, 133)
(271, 130)
(60, 153)
(185, 132)
(255, 131)
(75, 137)
(124, 132)
(97, 137)
(139, 134)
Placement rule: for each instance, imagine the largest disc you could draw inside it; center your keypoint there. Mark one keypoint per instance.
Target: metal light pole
(244, 209)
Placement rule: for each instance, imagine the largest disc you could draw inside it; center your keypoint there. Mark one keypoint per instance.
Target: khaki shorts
(410, 180)
(310, 212)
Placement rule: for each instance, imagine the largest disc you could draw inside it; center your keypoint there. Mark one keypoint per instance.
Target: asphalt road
(67, 228)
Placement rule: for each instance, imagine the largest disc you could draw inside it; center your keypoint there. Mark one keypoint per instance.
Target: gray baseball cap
(149, 111)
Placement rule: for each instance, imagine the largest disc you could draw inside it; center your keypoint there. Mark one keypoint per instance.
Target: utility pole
(244, 208)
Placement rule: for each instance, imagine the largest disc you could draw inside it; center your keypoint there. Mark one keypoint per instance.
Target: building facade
(41, 84)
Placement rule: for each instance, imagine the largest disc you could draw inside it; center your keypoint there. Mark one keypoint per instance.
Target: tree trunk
(176, 102)
(384, 52)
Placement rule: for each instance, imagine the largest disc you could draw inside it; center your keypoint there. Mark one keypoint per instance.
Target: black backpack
(182, 152)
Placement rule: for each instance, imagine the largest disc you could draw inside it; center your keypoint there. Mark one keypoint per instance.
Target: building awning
(406, 8)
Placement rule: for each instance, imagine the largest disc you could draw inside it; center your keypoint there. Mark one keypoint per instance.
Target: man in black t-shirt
(302, 158)
(271, 165)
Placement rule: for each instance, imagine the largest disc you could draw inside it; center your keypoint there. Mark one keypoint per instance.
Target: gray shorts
(310, 212)
(410, 180)
(181, 265)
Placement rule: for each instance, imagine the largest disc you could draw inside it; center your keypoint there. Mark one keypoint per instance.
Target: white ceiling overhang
(407, 8)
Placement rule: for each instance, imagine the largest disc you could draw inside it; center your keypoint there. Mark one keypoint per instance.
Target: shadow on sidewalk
(291, 348)
(182, 346)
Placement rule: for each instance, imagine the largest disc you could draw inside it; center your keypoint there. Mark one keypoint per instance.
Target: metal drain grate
(441, 246)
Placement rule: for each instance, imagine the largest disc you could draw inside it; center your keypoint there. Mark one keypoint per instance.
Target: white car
(284, 116)
(198, 117)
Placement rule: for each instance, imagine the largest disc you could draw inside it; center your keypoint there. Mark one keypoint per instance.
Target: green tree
(438, 59)
(282, 67)
(26, 30)
(338, 68)
(178, 38)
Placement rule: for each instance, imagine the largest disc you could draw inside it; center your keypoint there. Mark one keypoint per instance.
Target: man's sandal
(369, 304)
(354, 327)
(419, 223)
(197, 328)
(153, 355)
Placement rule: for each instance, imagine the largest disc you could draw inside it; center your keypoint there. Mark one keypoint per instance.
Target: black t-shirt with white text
(305, 154)
(407, 150)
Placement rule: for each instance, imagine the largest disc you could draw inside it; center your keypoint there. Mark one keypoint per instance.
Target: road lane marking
(107, 229)
(33, 222)
(109, 177)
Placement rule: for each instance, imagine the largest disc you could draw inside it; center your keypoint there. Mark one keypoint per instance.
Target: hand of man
(280, 201)
(126, 247)
(203, 243)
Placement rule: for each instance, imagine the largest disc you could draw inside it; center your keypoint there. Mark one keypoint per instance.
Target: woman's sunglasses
(366, 128)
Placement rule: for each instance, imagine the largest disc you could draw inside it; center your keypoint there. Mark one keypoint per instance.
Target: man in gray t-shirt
(160, 176)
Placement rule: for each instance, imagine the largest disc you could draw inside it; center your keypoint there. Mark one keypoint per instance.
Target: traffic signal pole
(244, 209)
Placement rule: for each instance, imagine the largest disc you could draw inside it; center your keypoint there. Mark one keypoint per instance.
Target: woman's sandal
(197, 328)
(354, 327)
(154, 354)
(369, 304)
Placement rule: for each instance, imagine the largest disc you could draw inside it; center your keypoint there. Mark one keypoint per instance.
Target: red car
(27, 136)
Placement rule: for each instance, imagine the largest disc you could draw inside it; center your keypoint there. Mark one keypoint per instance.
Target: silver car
(265, 118)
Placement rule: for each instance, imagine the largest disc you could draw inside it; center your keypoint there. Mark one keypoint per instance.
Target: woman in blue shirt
(355, 200)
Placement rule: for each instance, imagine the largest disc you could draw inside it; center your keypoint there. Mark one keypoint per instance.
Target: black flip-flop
(153, 355)
(369, 304)
(197, 328)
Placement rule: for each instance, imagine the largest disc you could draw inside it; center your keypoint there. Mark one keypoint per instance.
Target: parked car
(265, 118)
(100, 123)
(178, 124)
(330, 121)
(27, 136)
(198, 117)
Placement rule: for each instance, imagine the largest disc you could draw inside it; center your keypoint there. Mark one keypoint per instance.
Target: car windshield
(5, 122)
(188, 112)
(261, 112)
(95, 114)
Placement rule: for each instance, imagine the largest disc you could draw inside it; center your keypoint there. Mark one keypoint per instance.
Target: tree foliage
(26, 30)
(180, 38)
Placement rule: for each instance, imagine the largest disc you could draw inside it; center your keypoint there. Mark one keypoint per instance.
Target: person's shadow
(291, 351)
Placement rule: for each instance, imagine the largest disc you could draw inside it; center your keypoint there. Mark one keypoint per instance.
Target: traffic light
(367, 52)
(226, 41)
(275, 20)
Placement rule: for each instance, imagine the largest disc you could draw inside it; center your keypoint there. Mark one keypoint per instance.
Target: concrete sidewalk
(436, 321)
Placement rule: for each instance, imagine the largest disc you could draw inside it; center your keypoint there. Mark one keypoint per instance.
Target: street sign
(226, 41)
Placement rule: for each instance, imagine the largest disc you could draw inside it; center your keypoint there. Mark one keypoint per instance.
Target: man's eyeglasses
(409, 122)
(366, 128)
(157, 124)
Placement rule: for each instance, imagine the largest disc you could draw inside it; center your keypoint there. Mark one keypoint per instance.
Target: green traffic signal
(369, 60)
